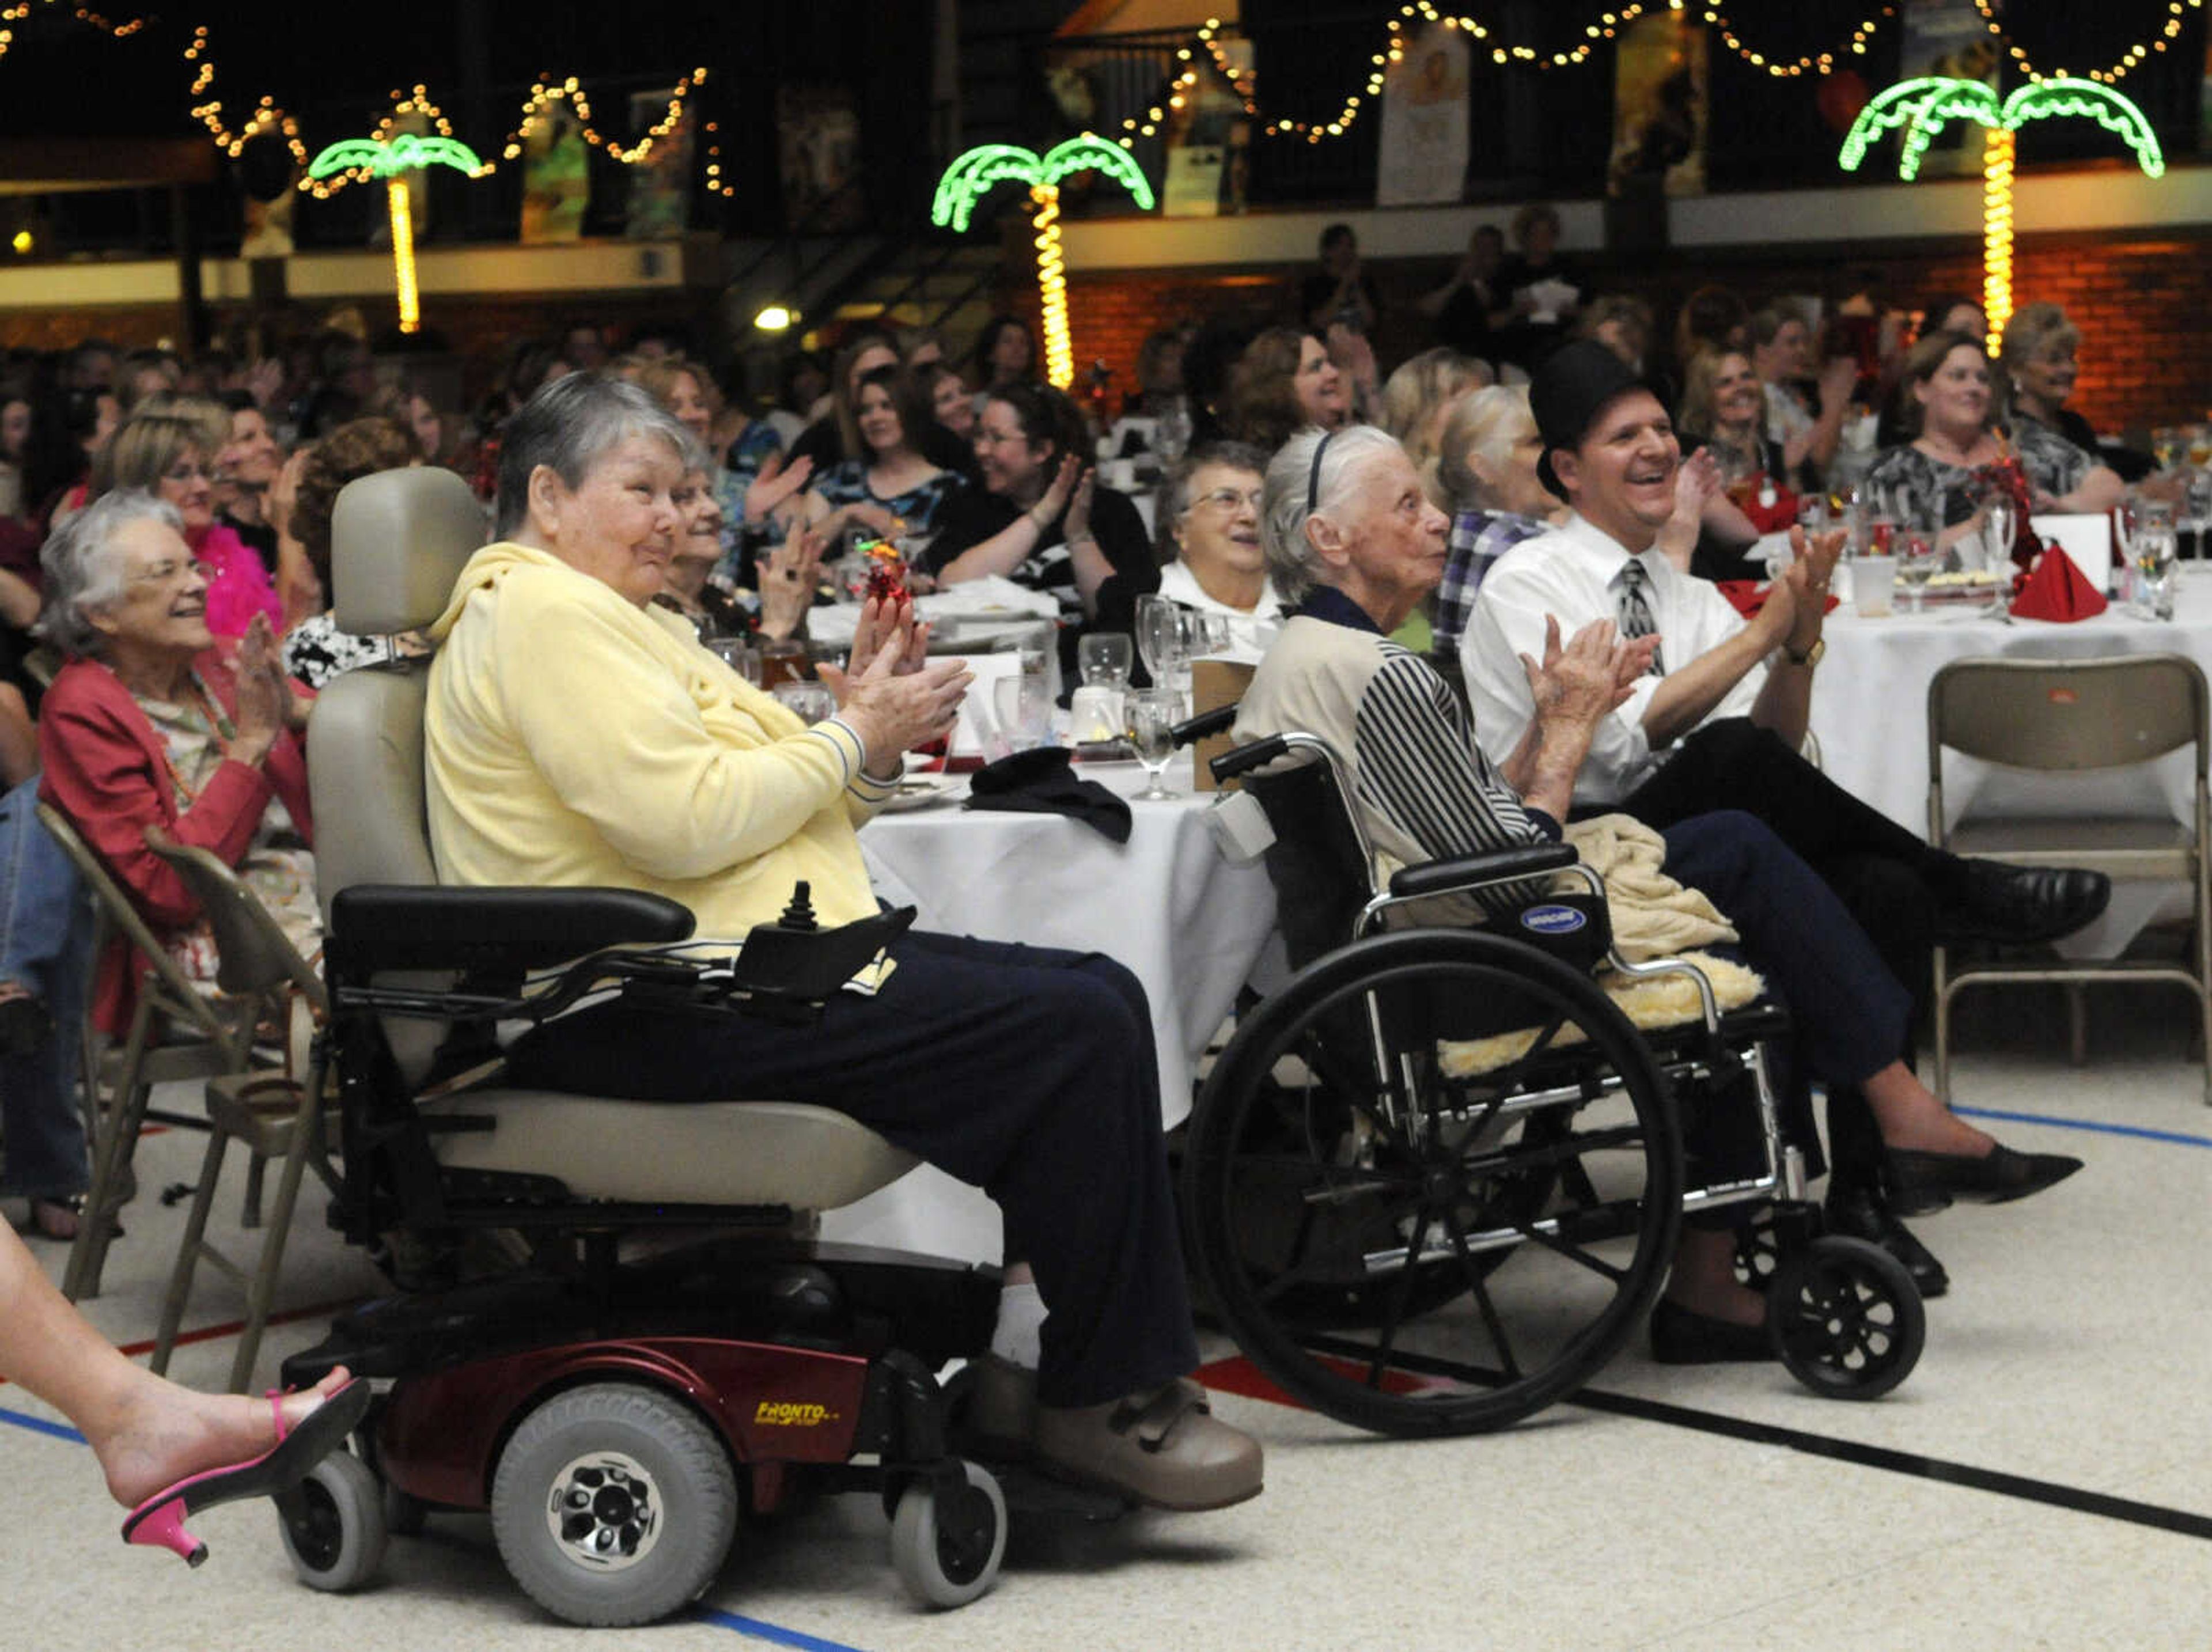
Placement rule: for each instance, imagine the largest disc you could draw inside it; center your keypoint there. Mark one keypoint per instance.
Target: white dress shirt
(1250, 630)
(1573, 573)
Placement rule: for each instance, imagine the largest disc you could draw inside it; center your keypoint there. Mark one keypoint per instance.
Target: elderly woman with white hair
(1026, 1072)
(152, 722)
(1208, 541)
(1356, 545)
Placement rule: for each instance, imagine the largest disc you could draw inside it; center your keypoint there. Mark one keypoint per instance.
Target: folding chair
(175, 1033)
(2069, 717)
(276, 1115)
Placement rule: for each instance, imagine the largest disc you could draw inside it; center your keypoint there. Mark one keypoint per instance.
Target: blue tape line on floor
(759, 1630)
(39, 1424)
(2180, 1138)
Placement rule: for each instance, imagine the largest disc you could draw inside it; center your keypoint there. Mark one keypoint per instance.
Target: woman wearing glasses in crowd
(167, 447)
(1209, 548)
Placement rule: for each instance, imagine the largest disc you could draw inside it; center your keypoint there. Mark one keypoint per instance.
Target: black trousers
(1890, 880)
(1027, 1073)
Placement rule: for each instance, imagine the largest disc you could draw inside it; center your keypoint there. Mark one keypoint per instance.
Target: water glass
(1023, 711)
(1171, 430)
(811, 702)
(2151, 548)
(1999, 529)
(739, 655)
(1917, 562)
(1153, 714)
(1872, 578)
(1105, 659)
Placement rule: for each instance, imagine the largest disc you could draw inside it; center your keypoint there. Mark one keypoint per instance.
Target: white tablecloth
(1870, 705)
(1188, 924)
(1870, 715)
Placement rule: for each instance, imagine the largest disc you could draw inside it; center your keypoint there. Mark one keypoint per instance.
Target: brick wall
(2141, 305)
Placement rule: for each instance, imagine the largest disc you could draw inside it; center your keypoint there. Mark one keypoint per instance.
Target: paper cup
(1873, 580)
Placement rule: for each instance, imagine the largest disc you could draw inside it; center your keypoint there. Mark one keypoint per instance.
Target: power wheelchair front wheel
(333, 1524)
(1499, 1233)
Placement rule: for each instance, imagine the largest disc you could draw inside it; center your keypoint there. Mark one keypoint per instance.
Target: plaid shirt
(1478, 539)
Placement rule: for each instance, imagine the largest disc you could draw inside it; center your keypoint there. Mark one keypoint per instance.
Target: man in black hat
(1717, 721)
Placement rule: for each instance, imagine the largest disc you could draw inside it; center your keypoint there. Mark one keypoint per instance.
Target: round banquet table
(1870, 718)
(1190, 925)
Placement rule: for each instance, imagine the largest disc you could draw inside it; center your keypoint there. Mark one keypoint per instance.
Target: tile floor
(2072, 1355)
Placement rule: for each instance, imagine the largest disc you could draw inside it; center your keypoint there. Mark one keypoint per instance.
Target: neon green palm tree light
(1924, 105)
(392, 159)
(973, 176)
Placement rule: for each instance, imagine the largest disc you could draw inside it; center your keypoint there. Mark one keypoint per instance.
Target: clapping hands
(1580, 681)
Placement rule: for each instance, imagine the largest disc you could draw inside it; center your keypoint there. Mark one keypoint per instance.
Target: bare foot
(164, 1433)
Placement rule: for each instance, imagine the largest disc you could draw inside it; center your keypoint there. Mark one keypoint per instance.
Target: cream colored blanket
(1653, 916)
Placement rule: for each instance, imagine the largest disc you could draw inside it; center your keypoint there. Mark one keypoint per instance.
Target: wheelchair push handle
(1245, 758)
(1193, 729)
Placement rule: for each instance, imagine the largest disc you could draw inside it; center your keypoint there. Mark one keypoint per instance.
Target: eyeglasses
(1228, 498)
(188, 473)
(173, 573)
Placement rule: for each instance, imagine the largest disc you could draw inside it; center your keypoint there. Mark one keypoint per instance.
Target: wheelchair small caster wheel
(1846, 1317)
(613, 1504)
(947, 1542)
(333, 1524)
(1758, 1255)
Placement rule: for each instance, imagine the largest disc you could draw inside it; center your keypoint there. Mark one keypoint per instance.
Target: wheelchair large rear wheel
(1500, 1233)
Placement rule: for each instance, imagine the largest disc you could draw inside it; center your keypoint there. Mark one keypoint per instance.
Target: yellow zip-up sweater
(572, 739)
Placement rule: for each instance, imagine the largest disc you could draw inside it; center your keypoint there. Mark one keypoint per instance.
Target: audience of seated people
(185, 583)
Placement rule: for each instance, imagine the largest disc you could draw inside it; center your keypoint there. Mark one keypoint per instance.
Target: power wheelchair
(1433, 1183)
(660, 1346)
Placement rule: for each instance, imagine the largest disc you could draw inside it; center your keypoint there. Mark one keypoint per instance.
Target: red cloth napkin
(1748, 596)
(2055, 590)
(1773, 519)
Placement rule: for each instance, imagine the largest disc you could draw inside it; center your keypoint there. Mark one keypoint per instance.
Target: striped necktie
(1636, 619)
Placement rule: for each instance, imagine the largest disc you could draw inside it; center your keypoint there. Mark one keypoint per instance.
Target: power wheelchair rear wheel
(613, 1504)
(1341, 1197)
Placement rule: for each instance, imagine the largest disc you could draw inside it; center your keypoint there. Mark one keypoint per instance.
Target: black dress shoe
(1680, 1337)
(2019, 904)
(1855, 1212)
(1921, 1182)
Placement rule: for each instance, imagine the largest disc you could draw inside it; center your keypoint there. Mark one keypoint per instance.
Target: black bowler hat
(1569, 390)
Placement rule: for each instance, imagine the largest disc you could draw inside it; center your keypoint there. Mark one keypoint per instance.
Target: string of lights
(12, 14)
(2135, 55)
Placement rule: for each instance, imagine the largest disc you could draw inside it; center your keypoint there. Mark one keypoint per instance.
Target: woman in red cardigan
(152, 724)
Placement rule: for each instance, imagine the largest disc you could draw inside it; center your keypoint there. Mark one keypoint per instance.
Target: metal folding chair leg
(276, 1118)
(112, 1145)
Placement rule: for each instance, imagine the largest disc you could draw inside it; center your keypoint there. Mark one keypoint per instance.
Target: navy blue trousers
(1027, 1073)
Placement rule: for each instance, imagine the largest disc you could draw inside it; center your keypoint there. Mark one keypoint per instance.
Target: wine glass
(1104, 658)
(1917, 559)
(1998, 530)
(1159, 637)
(812, 701)
(1153, 714)
(1171, 430)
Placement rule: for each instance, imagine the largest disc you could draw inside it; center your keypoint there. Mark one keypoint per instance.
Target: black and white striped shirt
(1425, 790)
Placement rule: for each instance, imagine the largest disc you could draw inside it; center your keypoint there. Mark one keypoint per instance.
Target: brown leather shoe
(1165, 1450)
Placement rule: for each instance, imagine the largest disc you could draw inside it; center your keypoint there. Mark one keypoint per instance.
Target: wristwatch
(1810, 658)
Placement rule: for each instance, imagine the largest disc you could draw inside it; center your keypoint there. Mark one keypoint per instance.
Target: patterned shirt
(920, 509)
(1478, 539)
(1928, 492)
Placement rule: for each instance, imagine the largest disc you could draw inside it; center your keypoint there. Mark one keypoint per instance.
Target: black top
(2131, 465)
(1317, 290)
(259, 535)
(972, 516)
(1521, 341)
(1464, 324)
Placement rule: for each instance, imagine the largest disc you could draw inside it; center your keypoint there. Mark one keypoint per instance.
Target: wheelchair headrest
(398, 541)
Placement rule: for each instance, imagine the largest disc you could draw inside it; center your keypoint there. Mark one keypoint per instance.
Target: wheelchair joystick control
(799, 913)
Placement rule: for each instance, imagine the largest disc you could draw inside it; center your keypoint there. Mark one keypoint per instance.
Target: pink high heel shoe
(159, 1521)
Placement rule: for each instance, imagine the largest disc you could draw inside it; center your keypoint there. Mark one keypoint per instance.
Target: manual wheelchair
(1433, 1183)
(616, 1330)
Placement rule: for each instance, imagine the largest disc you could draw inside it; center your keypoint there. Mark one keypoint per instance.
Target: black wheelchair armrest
(1191, 731)
(1466, 871)
(378, 927)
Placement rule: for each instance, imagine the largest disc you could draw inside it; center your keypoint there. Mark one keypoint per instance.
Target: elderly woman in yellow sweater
(578, 734)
